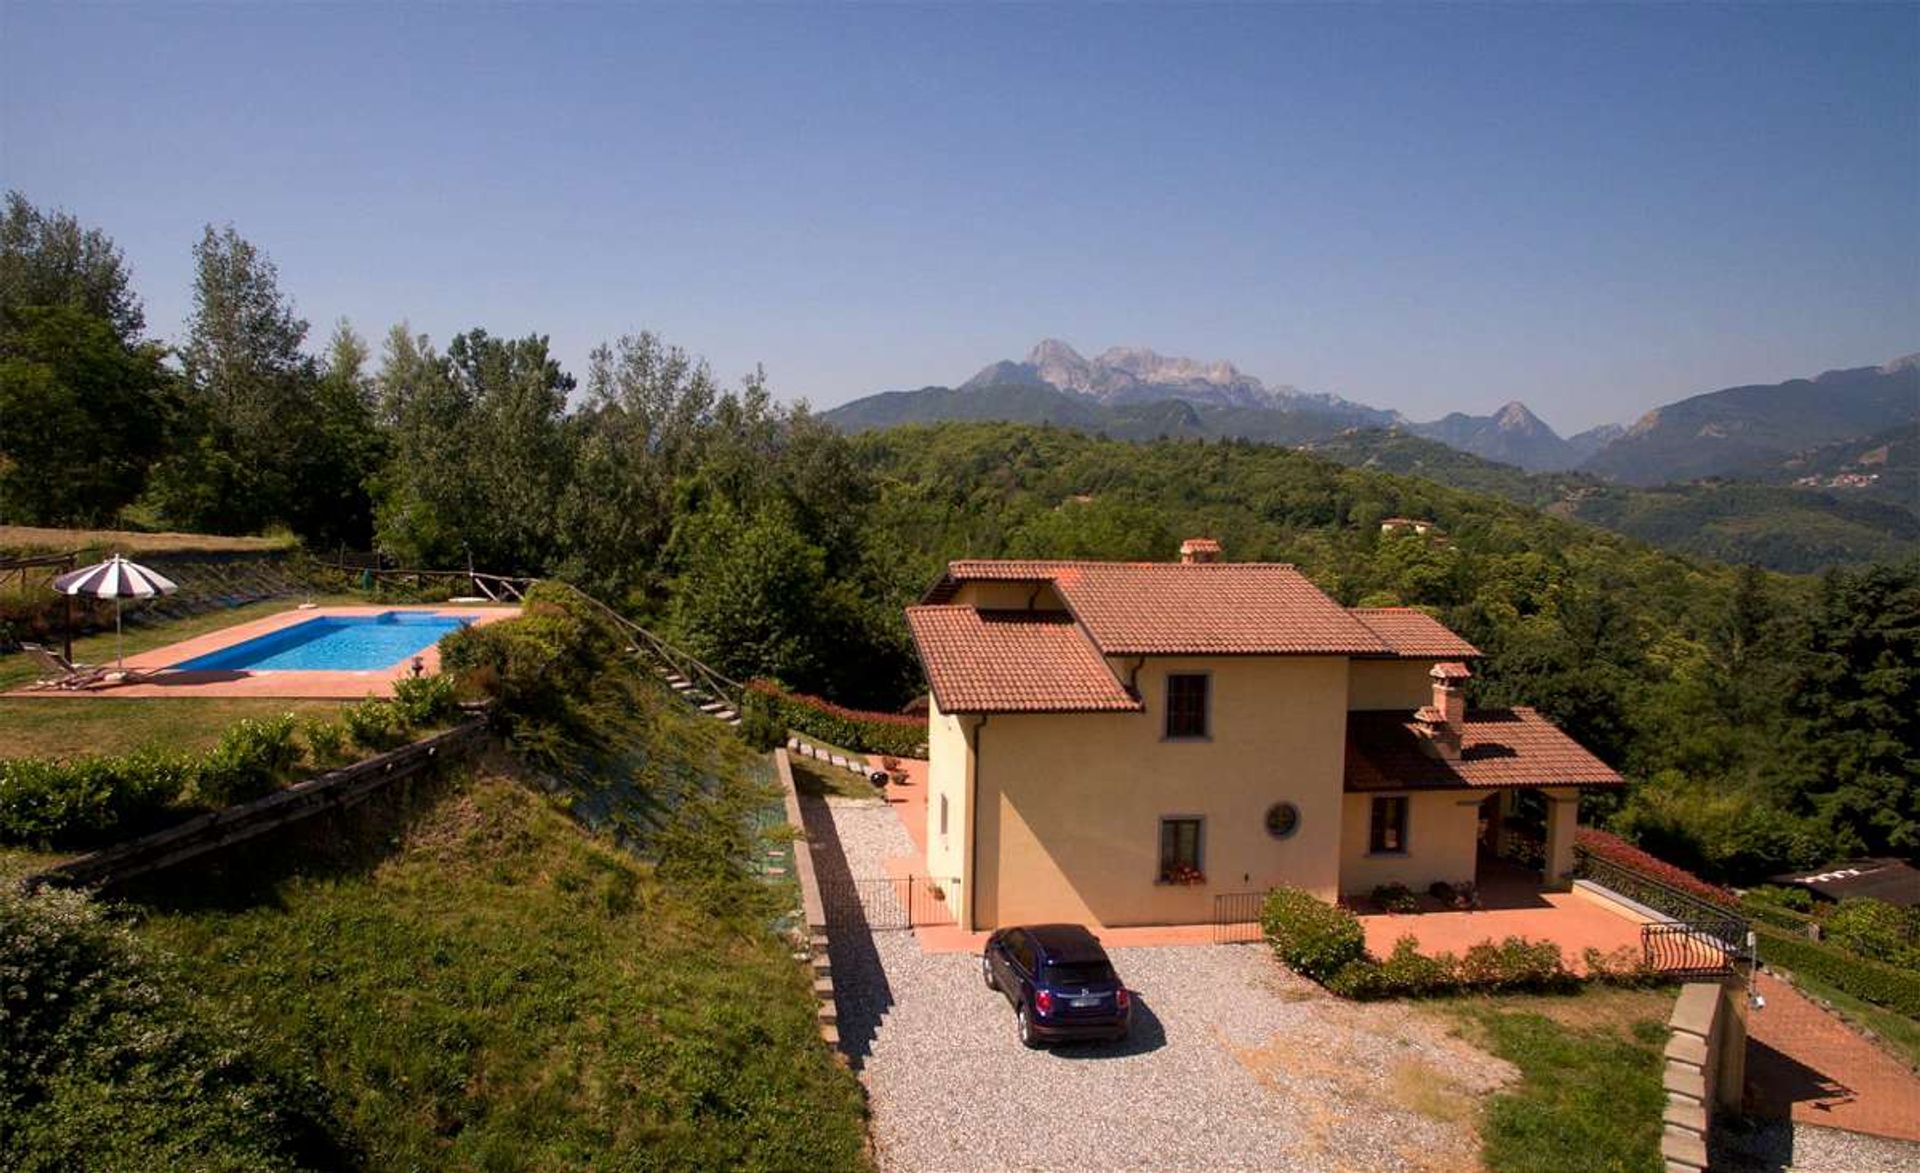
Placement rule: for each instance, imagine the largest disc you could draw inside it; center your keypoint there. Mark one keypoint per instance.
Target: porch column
(1563, 818)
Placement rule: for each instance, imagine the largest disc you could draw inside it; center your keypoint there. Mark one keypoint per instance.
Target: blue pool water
(333, 643)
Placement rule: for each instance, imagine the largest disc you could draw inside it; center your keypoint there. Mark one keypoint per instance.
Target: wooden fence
(332, 791)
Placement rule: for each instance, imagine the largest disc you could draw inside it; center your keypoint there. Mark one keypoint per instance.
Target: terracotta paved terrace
(1512, 905)
(158, 678)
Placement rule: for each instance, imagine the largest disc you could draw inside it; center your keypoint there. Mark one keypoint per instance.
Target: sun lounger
(56, 671)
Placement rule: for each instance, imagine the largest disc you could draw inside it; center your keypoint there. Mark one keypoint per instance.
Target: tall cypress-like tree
(251, 388)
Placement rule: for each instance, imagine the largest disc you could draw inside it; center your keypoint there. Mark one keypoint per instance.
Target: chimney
(1442, 722)
(1197, 550)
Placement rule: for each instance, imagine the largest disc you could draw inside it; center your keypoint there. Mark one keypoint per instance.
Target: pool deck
(160, 680)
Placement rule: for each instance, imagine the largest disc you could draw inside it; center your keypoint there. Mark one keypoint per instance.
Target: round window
(1283, 819)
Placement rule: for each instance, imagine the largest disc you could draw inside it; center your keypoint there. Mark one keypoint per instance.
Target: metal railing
(1236, 917)
(1684, 949)
(1644, 890)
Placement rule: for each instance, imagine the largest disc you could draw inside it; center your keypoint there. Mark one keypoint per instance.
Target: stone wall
(1705, 1068)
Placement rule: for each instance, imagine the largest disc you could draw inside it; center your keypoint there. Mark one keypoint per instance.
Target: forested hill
(1861, 503)
(1767, 721)
(1764, 719)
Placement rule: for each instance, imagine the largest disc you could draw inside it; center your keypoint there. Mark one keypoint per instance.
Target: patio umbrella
(115, 579)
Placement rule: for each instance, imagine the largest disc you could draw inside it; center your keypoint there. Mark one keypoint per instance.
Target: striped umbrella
(115, 579)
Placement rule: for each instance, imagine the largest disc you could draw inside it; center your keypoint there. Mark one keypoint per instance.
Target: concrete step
(727, 715)
(823, 988)
(817, 941)
(827, 1014)
(714, 707)
(679, 684)
(821, 967)
(830, 1035)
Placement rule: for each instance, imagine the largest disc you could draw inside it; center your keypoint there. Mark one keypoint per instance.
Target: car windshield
(1079, 973)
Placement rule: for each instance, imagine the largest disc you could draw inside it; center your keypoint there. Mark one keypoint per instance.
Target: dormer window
(1187, 706)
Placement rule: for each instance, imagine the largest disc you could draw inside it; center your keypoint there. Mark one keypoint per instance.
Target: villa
(1120, 743)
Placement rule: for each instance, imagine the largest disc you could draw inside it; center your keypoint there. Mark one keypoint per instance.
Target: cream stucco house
(1120, 743)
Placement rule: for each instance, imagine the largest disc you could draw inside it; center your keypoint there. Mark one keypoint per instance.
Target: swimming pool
(333, 643)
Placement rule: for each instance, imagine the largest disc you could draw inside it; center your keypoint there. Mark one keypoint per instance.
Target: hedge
(866, 732)
(1310, 936)
(1620, 853)
(99, 799)
(1870, 981)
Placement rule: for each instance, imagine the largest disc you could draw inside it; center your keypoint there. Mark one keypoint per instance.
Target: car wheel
(986, 973)
(1027, 1037)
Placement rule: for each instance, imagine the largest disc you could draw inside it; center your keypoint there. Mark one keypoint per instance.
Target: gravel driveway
(1233, 1063)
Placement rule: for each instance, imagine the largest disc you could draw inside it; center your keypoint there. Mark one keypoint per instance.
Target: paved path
(1805, 1063)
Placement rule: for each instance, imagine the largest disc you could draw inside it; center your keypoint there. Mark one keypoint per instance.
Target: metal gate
(889, 903)
(1236, 917)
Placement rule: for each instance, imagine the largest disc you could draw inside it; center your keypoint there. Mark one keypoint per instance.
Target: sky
(1594, 209)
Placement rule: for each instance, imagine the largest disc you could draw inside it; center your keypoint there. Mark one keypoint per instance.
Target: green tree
(251, 389)
(749, 602)
(48, 259)
(82, 414)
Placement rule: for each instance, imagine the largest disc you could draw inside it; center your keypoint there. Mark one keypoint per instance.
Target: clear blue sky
(1592, 209)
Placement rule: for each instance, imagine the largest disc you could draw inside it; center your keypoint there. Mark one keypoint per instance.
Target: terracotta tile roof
(1013, 662)
(1498, 748)
(1413, 634)
(1170, 608)
(1450, 672)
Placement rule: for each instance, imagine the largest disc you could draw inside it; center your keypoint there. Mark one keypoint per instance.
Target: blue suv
(1060, 983)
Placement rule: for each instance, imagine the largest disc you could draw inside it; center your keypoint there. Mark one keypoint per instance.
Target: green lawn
(811, 777)
(1589, 1098)
(60, 727)
(489, 988)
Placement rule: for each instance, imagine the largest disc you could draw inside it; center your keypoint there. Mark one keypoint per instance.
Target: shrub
(252, 759)
(1792, 899)
(1515, 964)
(1512, 964)
(1617, 851)
(108, 1065)
(1625, 966)
(1396, 898)
(374, 724)
(87, 801)
(426, 700)
(1872, 981)
(1877, 930)
(326, 740)
(1310, 936)
(759, 725)
(855, 729)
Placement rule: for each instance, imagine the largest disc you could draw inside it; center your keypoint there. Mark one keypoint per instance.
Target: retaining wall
(1705, 1069)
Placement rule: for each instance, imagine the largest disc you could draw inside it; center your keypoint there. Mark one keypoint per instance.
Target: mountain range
(1136, 393)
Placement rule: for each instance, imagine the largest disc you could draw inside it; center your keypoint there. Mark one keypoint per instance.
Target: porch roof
(1498, 748)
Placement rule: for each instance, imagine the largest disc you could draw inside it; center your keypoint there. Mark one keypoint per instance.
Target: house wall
(1070, 804)
(1389, 684)
(949, 762)
(1008, 596)
(1442, 836)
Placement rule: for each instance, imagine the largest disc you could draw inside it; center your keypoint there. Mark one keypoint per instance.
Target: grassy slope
(1589, 1095)
(27, 539)
(495, 989)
